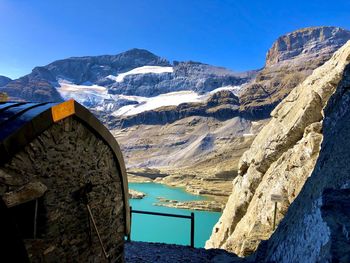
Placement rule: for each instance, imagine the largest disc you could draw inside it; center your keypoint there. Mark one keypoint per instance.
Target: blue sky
(232, 33)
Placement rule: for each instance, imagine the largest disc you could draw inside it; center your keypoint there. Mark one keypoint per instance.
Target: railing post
(192, 230)
(129, 235)
(274, 217)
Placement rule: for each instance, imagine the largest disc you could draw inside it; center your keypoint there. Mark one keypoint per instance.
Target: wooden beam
(26, 193)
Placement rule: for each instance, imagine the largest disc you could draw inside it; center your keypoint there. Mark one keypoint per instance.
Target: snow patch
(98, 98)
(233, 89)
(167, 99)
(141, 70)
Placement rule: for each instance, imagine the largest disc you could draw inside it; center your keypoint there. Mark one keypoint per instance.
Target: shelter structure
(63, 185)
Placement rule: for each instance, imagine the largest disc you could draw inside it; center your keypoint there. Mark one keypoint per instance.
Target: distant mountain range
(138, 87)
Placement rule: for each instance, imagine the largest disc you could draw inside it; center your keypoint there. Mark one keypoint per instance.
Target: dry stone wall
(64, 158)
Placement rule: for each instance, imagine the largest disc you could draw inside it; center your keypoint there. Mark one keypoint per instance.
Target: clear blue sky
(232, 33)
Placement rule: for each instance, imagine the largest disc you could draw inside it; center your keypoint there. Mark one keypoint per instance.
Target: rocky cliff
(280, 160)
(289, 61)
(316, 226)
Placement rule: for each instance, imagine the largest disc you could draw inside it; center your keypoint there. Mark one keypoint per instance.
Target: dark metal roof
(21, 122)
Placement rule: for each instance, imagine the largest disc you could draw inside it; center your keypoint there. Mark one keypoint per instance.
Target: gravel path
(143, 252)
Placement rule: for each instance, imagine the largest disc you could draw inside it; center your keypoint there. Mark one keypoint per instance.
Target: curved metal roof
(22, 122)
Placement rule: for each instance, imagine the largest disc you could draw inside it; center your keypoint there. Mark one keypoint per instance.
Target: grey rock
(4, 80)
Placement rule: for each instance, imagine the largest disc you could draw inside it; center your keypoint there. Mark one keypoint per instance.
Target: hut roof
(21, 122)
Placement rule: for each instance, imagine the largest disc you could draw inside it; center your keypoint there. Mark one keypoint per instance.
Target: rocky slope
(316, 226)
(279, 161)
(198, 153)
(4, 80)
(289, 61)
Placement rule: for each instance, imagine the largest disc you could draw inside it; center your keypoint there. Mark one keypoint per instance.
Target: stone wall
(64, 158)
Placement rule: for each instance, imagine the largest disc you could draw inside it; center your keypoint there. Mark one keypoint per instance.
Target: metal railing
(191, 217)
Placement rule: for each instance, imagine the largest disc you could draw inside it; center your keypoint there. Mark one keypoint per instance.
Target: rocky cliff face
(279, 161)
(316, 226)
(289, 61)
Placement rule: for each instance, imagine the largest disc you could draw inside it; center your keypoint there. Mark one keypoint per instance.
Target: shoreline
(214, 200)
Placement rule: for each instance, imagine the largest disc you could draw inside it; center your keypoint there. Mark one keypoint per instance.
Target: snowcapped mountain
(125, 84)
(137, 82)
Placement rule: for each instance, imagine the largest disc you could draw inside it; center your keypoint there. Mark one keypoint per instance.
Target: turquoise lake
(169, 230)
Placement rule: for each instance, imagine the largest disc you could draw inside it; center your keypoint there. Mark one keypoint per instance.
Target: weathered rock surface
(290, 60)
(281, 158)
(316, 226)
(133, 194)
(201, 205)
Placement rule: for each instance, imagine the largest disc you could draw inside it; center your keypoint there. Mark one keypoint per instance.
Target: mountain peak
(305, 43)
(4, 80)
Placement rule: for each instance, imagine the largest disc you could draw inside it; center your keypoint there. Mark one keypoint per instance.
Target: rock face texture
(50, 169)
(280, 160)
(290, 60)
(316, 226)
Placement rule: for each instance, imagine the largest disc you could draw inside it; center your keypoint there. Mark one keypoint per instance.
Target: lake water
(170, 230)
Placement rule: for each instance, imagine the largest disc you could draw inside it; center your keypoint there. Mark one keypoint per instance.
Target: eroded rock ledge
(202, 205)
(133, 194)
